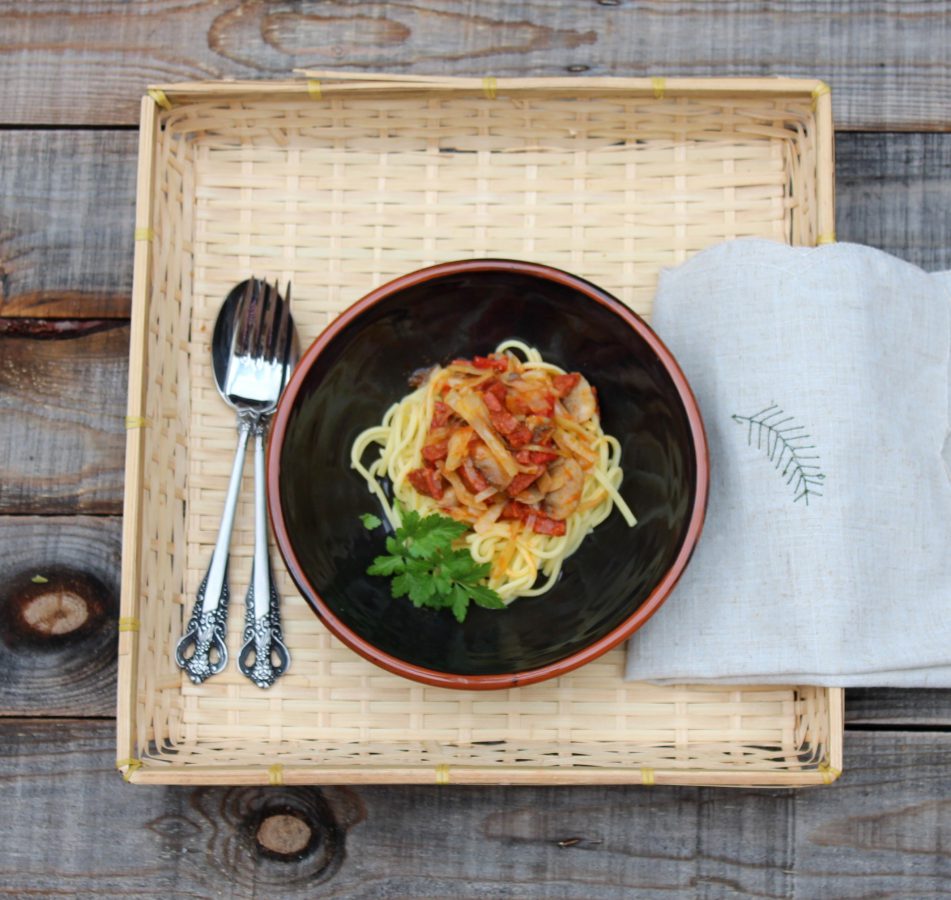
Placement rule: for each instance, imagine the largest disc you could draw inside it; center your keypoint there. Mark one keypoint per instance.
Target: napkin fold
(823, 379)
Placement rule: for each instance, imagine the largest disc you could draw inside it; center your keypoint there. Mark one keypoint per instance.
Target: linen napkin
(823, 379)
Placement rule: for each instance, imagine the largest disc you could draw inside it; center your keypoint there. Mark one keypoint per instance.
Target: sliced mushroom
(580, 401)
(486, 463)
(564, 499)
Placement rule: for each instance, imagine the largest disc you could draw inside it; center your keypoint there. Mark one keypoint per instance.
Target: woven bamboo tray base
(337, 191)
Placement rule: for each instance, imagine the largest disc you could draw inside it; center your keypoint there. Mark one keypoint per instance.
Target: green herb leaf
(421, 590)
(370, 521)
(485, 597)
(460, 603)
(387, 565)
(410, 523)
(460, 566)
(441, 581)
(428, 569)
(434, 533)
(400, 586)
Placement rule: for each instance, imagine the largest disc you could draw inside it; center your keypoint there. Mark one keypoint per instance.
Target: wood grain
(928, 708)
(893, 191)
(889, 63)
(880, 831)
(62, 403)
(66, 222)
(64, 663)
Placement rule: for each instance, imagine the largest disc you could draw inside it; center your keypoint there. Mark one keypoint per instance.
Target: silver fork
(264, 656)
(262, 348)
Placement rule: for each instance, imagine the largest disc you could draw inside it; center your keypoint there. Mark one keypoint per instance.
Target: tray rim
(315, 84)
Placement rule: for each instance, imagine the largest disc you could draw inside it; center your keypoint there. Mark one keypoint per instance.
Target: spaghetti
(509, 444)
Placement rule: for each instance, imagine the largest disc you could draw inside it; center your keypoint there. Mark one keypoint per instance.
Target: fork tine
(282, 340)
(272, 337)
(274, 310)
(270, 320)
(242, 319)
(257, 318)
(264, 318)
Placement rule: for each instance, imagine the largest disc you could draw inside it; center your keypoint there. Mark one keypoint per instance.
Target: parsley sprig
(425, 567)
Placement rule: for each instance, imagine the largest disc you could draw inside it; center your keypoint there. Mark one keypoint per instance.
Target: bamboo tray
(338, 184)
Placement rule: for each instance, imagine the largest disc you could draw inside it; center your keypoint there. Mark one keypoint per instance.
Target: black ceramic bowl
(359, 366)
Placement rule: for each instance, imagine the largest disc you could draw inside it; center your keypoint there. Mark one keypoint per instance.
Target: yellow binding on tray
(158, 95)
(130, 765)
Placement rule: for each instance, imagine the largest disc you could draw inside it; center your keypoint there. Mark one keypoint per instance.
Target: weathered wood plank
(62, 403)
(66, 233)
(63, 674)
(893, 191)
(66, 223)
(75, 674)
(59, 600)
(889, 63)
(880, 831)
(897, 708)
(883, 830)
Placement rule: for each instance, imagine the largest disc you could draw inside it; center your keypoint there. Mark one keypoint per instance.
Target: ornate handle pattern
(207, 628)
(264, 656)
(205, 636)
(263, 636)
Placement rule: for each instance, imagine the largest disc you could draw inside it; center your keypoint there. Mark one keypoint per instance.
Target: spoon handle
(264, 655)
(207, 627)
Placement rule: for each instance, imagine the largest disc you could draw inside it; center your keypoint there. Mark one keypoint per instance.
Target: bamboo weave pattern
(339, 193)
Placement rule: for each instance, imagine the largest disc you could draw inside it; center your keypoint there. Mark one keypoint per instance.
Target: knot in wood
(52, 608)
(56, 612)
(285, 835)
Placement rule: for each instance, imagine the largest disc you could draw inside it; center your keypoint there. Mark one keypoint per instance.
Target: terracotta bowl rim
(592, 651)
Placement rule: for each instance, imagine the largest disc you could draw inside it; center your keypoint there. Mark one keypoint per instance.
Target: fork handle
(207, 627)
(264, 655)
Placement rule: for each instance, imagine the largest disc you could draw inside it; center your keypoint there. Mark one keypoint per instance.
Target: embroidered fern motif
(786, 446)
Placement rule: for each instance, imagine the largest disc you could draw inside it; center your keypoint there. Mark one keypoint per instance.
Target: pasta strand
(525, 564)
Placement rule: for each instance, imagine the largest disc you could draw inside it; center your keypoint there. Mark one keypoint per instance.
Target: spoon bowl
(223, 333)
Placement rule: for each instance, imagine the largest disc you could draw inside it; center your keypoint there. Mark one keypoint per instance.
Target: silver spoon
(205, 634)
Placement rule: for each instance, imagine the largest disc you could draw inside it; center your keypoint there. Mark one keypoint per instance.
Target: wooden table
(71, 74)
